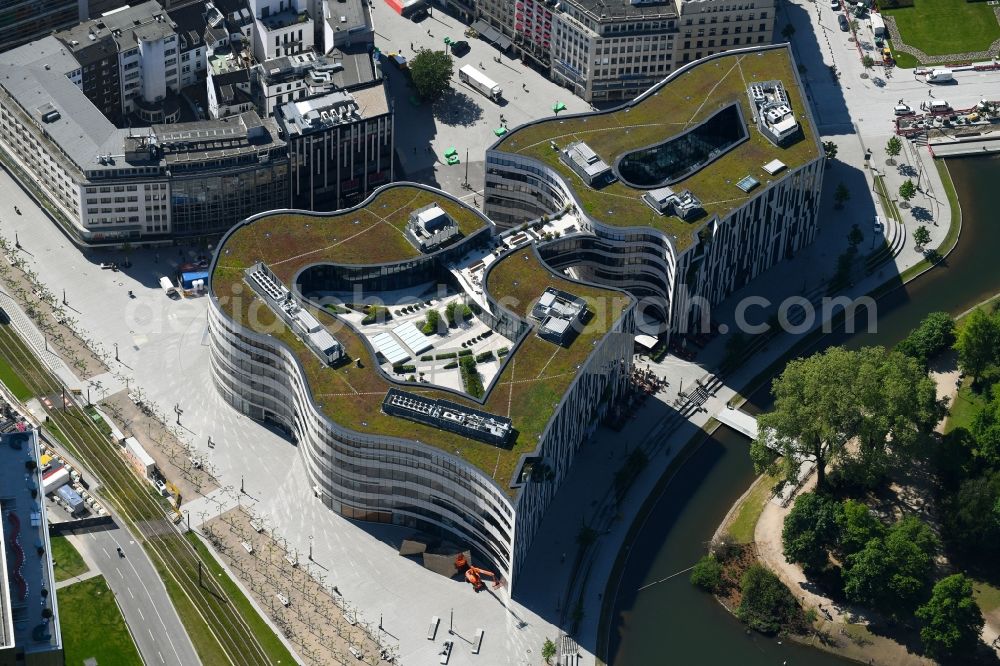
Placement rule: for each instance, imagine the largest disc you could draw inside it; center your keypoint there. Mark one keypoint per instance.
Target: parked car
(844, 25)
(835, 5)
(460, 48)
(902, 110)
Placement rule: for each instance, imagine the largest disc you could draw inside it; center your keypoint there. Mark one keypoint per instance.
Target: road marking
(151, 636)
(140, 613)
(130, 592)
(120, 573)
(160, 656)
(105, 551)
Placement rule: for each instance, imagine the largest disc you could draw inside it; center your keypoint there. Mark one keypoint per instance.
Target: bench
(477, 642)
(432, 632)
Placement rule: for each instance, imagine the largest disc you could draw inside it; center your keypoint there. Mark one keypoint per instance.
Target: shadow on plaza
(457, 108)
(809, 42)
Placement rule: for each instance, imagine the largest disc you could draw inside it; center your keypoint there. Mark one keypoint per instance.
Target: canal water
(674, 623)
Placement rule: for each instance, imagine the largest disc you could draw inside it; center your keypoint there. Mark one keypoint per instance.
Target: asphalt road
(155, 625)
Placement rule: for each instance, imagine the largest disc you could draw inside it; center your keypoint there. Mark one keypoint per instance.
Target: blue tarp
(188, 278)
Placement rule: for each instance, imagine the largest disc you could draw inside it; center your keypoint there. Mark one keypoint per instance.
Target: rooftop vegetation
(527, 391)
(682, 102)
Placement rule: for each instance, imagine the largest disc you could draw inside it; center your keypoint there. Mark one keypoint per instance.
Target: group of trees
(978, 344)
(887, 568)
(935, 334)
(882, 400)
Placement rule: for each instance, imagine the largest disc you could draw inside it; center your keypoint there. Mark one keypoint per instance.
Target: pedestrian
(411, 47)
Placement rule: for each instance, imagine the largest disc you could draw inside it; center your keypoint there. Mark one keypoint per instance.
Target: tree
(907, 190)
(788, 31)
(972, 518)
(842, 195)
(921, 236)
(548, 650)
(431, 72)
(707, 574)
(829, 149)
(952, 619)
(855, 25)
(809, 530)
(885, 400)
(766, 604)
(934, 334)
(815, 412)
(857, 526)
(898, 410)
(977, 343)
(855, 236)
(985, 429)
(867, 62)
(891, 574)
(893, 147)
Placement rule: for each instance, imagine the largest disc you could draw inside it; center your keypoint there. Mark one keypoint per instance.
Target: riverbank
(747, 380)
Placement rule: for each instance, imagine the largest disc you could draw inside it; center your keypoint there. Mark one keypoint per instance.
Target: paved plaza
(463, 119)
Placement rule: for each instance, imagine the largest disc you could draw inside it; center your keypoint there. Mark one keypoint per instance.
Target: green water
(673, 623)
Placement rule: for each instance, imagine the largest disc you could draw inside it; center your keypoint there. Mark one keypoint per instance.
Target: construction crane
(475, 575)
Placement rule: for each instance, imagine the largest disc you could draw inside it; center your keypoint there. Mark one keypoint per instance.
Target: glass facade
(680, 156)
(212, 203)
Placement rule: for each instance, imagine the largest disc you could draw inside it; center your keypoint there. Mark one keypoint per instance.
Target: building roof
(685, 99)
(27, 583)
(526, 391)
(616, 10)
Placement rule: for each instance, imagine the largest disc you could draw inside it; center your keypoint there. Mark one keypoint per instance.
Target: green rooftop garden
(682, 102)
(527, 391)
(374, 234)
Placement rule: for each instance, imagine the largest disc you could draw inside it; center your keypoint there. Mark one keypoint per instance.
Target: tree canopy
(907, 190)
(766, 604)
(809, 530)
(431, 72)
(952, 620)
(857, 526)
(921, 236)
(977, 342)
(821, 402)
(893, 146)
(891, 573)
(934, 334)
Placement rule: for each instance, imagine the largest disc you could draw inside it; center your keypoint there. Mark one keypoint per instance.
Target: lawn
(940, 27)
(66, 560)
(13, 382)
(748, 513)
(987, 596)
(964, 407)
(93, 627)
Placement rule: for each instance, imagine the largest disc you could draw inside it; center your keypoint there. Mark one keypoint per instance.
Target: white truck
(940, 76)
(168, 287)
(476, 79)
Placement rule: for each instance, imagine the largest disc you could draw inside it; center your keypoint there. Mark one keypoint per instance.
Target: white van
(940, 76)
(938, 106)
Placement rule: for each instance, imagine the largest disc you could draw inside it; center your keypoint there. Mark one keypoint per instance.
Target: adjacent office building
(145, 125)
(605, 50)
(29, 615)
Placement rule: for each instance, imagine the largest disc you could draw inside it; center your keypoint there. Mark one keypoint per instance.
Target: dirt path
(836, 633)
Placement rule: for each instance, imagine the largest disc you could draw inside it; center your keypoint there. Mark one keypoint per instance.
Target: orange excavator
(475, 575)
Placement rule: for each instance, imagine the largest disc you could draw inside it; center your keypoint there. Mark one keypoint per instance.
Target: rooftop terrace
(530, 385)
(684, 100)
